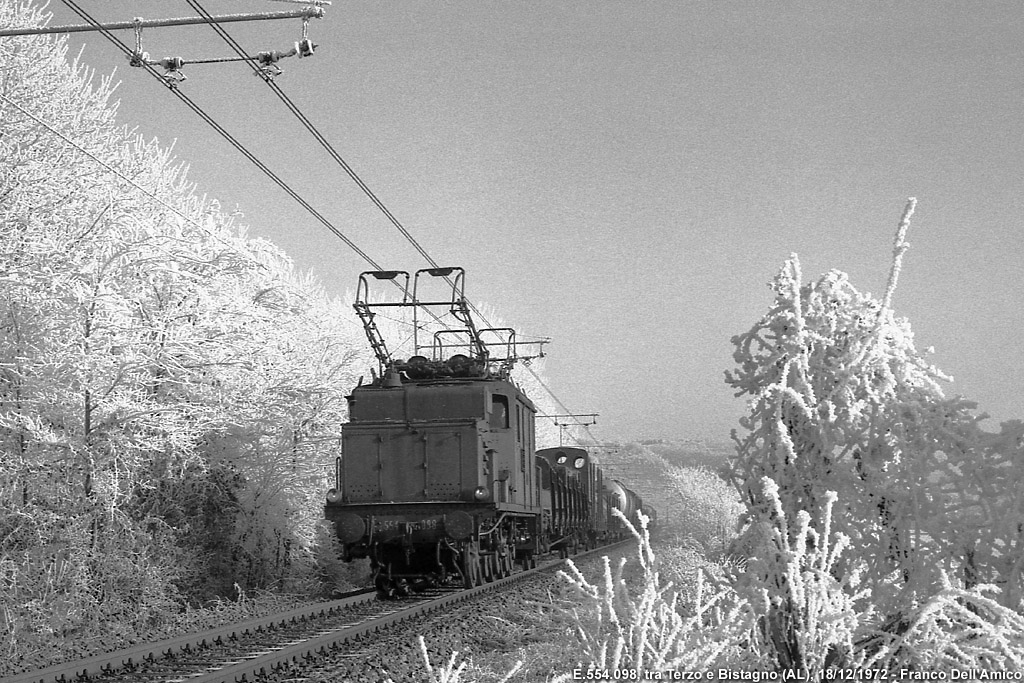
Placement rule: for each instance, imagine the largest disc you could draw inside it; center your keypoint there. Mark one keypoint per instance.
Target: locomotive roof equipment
(456, 348)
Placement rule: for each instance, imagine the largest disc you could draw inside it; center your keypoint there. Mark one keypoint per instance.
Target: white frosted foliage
(840, 399)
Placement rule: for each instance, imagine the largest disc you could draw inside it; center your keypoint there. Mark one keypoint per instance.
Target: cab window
(499, 411)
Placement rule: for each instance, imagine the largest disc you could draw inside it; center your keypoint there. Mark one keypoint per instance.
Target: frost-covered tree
(75, 421)
(841, 400)
(282, 389)
(171, 391)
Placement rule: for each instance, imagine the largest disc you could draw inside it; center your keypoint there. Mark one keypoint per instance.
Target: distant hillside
(644, 466)
(691, 452)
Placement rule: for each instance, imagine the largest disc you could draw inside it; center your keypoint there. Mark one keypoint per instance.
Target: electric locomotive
(437, 478)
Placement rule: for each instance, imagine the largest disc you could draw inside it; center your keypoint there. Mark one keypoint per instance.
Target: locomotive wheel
(496, 567)
(471, 574)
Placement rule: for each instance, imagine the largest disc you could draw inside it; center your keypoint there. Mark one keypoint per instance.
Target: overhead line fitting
(226, 135)
(580, 419)
(267, 61)
(583, 420)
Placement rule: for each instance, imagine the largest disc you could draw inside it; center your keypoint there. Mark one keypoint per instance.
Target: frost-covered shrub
(170, 389)
(704, 508)
(695, 505)
(452, 670)
(954, 629)
(808, 615)
(651, 629)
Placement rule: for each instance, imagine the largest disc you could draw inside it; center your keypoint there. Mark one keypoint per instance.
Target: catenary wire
(52, 129)
(225, 134)
(269, 173)
(294, 109)
(315, 132)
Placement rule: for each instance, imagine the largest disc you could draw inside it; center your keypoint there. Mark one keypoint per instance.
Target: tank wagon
(439, 479)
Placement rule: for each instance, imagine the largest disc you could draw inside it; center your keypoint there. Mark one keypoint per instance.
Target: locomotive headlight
(481, 493)
(334, 496)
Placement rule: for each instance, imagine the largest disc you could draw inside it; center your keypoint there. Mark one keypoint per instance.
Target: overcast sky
(626, 177)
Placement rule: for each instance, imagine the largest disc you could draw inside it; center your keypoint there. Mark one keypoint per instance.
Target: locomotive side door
(525, 450)
(511, 450)
(499, 424)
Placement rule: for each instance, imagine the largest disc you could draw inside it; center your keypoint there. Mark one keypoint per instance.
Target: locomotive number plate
(399, 524)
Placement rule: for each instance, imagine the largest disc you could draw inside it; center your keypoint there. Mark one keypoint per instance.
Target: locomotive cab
(438, 441)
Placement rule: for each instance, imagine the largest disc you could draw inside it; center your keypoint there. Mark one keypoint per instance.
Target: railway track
(255, 648)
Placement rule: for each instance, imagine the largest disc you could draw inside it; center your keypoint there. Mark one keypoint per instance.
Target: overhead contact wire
(313, 130)
(226, 135)
(316, 134)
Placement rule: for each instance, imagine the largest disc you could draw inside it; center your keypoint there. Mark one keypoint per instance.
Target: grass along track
(258, 647)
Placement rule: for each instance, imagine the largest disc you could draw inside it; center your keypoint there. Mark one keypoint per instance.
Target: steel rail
(107, 662)
(255, 665)
(269, 662)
